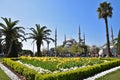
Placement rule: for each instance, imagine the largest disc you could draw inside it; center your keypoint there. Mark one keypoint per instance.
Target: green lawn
(115, 75)
(3, 76)
(0, 59)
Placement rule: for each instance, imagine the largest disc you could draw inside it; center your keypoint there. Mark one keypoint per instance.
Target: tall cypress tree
(118, 44)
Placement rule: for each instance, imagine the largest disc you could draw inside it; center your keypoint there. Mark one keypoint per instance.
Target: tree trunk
(39, 49)
(9, 49)
(107, 38)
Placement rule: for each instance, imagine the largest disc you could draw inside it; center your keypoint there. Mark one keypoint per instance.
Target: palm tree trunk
(107, 38)
(7, 40)
(38, 49)
(9, 49)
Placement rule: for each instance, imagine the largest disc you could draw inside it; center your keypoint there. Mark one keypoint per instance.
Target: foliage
(16, 48)
(77, 74)
(38, 35)
(80, 73)
(75, 48)
(64, 50)
(104, 10)
(19, 68)
(44, 64)
(26, 52)
(1, 59)
(61, 50)
(118, 43)
(12, 33)
(53, 64)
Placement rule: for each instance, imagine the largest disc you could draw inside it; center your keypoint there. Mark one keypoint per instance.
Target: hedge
(77, 74)
(21, 69)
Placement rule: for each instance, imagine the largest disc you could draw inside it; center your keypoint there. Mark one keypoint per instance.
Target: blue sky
(65, 15)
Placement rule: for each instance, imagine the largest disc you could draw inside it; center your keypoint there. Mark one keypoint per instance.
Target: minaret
(64, 42)
(79, 37)
(65, 38)
(84, 39)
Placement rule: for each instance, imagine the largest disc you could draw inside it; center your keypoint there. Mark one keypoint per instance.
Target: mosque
(69, 42)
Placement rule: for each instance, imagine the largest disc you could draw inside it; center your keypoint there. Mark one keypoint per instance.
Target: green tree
(104, 11)
(16, 48)
(64, 50)
(26, 52)
(12, 33)
(39, 34)
(61, 50)
(118, 43)
(75, 48)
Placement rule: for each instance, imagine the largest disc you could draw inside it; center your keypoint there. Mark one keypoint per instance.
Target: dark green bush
(19, 68)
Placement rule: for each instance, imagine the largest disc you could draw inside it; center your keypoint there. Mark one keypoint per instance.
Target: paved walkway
(10, 74)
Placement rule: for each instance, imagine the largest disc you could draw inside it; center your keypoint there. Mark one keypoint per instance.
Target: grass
(53, 63)
(0, 59)
(3, 76)
(115, 75)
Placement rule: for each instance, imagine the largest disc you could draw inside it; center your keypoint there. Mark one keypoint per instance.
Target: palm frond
(2, 25)
(14, 23)
(104, 10)
(43, 28)
(33, 30)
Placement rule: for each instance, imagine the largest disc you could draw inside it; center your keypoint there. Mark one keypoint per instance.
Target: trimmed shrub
(19, 68)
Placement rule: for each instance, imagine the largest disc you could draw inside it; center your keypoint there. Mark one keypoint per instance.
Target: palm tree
(40, 34)
(12, 33)
(104, 11)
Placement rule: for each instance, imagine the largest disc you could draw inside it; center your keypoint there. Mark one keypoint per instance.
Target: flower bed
(53, 64)
(91, 67)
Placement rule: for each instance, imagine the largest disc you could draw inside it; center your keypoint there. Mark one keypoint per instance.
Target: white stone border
(103, 73)
(10, 74)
